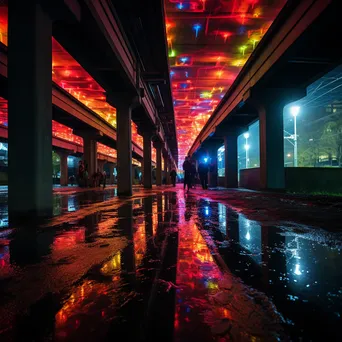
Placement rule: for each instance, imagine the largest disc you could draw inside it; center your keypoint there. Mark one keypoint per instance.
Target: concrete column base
(231, 161)
(159, 164)
(124, 150)
(147, 162)
(270, 104)
(90, 154)
(63, 156)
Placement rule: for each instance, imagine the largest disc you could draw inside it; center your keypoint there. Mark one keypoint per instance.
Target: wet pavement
(164, 265)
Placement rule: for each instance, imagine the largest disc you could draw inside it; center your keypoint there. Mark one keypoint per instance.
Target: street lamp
(295, 111)
(246, 136)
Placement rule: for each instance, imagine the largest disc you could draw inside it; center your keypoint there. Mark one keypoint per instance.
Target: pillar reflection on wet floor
(91, 224)
(148, 203)
(128, 270)
(27, 247)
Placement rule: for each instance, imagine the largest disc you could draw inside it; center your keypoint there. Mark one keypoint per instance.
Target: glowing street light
(297, 270)
(246, 136)
(294, 110)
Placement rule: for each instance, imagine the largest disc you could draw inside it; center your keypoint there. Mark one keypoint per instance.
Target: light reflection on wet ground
(167, 266)
(296, 266)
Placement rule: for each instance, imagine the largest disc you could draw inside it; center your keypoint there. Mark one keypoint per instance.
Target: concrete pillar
(63, 157)
(166, 168)
(158, 147)
(213, 173)
(30, 111)
(111, 172)
(272, 173)
(168, 179)
(231, 161)
(90, 153)
(270, 104)
(124, 150)
(147, 162)
(213, 170)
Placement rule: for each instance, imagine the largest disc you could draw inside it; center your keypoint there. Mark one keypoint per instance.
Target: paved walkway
(212, 265)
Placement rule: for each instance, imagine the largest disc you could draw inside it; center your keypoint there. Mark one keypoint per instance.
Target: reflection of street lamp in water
(294, 251)
(248, 235)
(246, 136)
(295, 111)
(297, 270)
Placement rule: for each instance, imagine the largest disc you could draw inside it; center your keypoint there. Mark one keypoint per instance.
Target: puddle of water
(298, 267)
(167, 267)
(83, 279)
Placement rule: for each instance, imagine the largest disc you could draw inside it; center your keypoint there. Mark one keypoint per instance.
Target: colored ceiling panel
(70, 75)
(209, 41)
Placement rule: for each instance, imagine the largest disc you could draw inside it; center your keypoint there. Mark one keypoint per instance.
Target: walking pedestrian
(173, 175)
(203, 174)
(187, 173)
(80, 173)
(104, 175)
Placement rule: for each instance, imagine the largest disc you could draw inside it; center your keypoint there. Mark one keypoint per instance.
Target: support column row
(270, 106)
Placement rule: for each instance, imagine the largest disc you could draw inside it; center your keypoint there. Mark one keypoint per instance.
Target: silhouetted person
(173, 175)
(72, 180)
(80, 173)
(104, 176)
(203, 174)
(193, 173)
(98, 178)
(187, 173)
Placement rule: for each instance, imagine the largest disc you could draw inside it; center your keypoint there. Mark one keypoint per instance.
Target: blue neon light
(197, 28)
